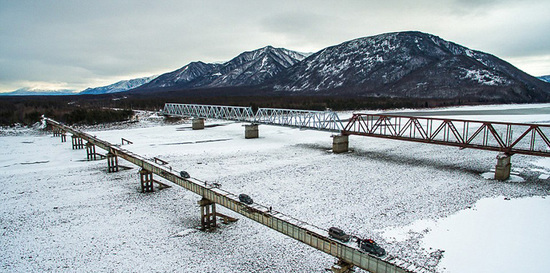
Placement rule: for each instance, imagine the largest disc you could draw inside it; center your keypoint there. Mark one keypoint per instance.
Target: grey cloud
(78, 41)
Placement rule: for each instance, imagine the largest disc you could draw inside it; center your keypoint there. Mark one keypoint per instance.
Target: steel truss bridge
(308, 234)
(510, 138)
(304, 119)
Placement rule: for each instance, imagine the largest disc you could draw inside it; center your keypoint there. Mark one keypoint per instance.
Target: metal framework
(313, 236)
(304, 119)
(235, 113)
(510, 138)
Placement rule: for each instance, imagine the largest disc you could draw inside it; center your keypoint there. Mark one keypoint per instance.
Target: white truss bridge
(303, 119)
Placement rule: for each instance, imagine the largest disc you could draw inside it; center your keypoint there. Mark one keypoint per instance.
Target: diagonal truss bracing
(235, 113)
(317, 120)
(305, 119)
(512, 138)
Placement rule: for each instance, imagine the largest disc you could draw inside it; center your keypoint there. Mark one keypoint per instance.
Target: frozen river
(60, 212)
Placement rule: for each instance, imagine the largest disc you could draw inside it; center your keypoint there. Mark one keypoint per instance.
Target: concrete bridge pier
(198, 124)
(208, 214)
(251, 131)
(340, 143)
(77, 142)
(90, 151)
(112, 163)
(146, 178)
(503, 167)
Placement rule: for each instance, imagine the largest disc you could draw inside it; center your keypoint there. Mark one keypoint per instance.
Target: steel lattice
(512, 138)
(317, 120)
(209, 111)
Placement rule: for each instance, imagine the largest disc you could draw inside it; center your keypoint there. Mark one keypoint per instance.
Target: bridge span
(348, 254)
(504, 137)
(303, 119)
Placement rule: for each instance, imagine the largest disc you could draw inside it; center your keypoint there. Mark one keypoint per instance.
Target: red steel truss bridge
(509, 138)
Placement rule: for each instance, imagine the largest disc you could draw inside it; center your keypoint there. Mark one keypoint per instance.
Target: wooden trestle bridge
(348, 254)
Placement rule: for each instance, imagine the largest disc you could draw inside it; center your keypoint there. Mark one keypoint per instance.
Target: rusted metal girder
(510, 138)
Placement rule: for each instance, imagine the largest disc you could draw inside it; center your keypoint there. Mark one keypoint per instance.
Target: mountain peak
(247, 69)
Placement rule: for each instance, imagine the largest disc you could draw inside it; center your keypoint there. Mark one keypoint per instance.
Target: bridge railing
(512, 138)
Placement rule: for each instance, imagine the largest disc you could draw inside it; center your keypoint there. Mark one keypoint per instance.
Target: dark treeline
(93, 109)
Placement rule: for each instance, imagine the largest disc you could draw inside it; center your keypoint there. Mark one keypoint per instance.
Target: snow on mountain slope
(120, 86)
(248, 68)
(409, 64)
(38, 92)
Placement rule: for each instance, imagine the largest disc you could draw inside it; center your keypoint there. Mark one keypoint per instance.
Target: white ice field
(425, 203)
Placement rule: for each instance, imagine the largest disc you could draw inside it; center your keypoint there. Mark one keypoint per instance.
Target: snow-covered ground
(424, 203)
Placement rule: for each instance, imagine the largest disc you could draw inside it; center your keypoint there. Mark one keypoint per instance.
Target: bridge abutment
(146, 179)
(112, 162)
(503, 167)
(208, 214)
(340, 143)
(198, 124)
(251, 131)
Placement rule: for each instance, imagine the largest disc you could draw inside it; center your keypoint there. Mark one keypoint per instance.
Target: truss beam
(509, 138)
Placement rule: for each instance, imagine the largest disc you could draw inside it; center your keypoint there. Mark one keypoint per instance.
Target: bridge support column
(56, 131)
(112, 162)
(503, 167)
(77, 143)
(198, 124)
(340, 143)
(63, 137)
(208, 214)
(342, 267)
(90, 151)
(251, 131)
(146, 178)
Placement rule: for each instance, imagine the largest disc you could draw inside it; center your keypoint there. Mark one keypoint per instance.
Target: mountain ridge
(246, 69)
(409, 64)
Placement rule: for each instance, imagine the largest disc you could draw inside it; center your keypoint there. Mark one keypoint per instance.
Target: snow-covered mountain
(545, 78)
(247, 69)
(37, 92)
(120, 86)
(412, 65)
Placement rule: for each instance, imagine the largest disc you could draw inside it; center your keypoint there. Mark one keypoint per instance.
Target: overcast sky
(74, 44)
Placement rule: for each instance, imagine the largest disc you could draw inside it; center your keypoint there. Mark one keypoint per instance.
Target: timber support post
(198, 124)
(56, 131)
(146, 178)
(208, 214)
(63, 137)
(77, 142)
(340, 143)
(251, 131)
(503, 167)
(112, 162)
(90, 151)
